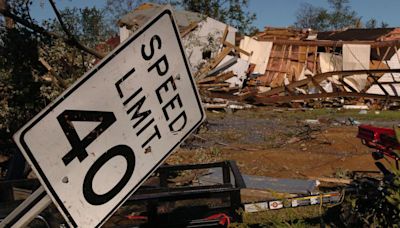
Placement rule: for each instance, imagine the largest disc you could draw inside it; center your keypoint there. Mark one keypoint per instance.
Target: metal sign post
(103, 137)
(28, 209)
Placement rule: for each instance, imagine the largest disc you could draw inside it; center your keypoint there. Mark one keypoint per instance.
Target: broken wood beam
(332, 180)
(225, 34)
(220, 57)
(223, 89)
(289, 90)
(346, 85)
(188, 29)
(215, 106)
(320, 77)
(380, 85)
(282, 99)
(213, 63)
(316, 84)
(219, 78)
(331, 43)
(238, 49)
(389, 83)
(369, 84)
(213, 85)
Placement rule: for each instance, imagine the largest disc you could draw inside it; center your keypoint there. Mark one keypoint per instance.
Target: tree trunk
(9, 23)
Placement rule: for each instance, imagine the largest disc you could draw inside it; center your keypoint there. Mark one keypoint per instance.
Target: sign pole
(27, 210)
(94, 145)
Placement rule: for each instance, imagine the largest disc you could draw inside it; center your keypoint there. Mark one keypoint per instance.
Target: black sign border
(76, 86)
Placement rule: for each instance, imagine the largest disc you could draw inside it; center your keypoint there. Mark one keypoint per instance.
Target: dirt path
(280, 144)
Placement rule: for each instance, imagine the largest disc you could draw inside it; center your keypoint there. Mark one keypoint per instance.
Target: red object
(224, 219)
(136, 217)
(382, 139)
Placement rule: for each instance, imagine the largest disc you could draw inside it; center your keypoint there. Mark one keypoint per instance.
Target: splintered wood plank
(220, 57)
(316, 84)
(225, 34)
(369, 82)
(315, 60)
(190, 28)
(213, 63)
(213, 85)
(288, 61)
(238, 49)
(279, 77)
(219, 78)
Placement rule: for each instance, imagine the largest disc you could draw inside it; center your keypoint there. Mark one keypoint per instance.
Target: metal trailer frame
(232, 183)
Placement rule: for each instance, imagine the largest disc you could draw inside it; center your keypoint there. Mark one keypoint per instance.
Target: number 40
(79, 146)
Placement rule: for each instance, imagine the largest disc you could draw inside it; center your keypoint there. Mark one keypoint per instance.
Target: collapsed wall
(289, 63)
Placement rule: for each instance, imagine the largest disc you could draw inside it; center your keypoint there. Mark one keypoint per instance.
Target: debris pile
(280, 65)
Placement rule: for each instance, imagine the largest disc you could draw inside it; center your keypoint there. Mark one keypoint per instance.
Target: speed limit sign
(99, 141)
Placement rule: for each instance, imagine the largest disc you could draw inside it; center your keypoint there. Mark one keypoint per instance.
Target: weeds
(373, 202)
(215, 152)
(289, 217)
(386, 115)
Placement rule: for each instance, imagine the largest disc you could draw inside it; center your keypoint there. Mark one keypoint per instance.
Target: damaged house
(283, 64)
(365, 62)
(200, 35)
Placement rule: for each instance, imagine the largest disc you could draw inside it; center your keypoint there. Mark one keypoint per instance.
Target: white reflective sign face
(95, 145)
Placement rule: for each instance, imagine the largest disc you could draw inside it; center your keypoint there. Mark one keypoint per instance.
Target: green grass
(371, 115)
(312, 114)
(289, 217)
(230, 136)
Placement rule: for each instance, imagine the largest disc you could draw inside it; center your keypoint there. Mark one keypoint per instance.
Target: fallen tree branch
(57, 80)
(71, 37)
(4, 10)
(3, 5)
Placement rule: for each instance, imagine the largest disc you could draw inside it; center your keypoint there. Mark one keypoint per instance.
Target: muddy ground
(287, 143)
